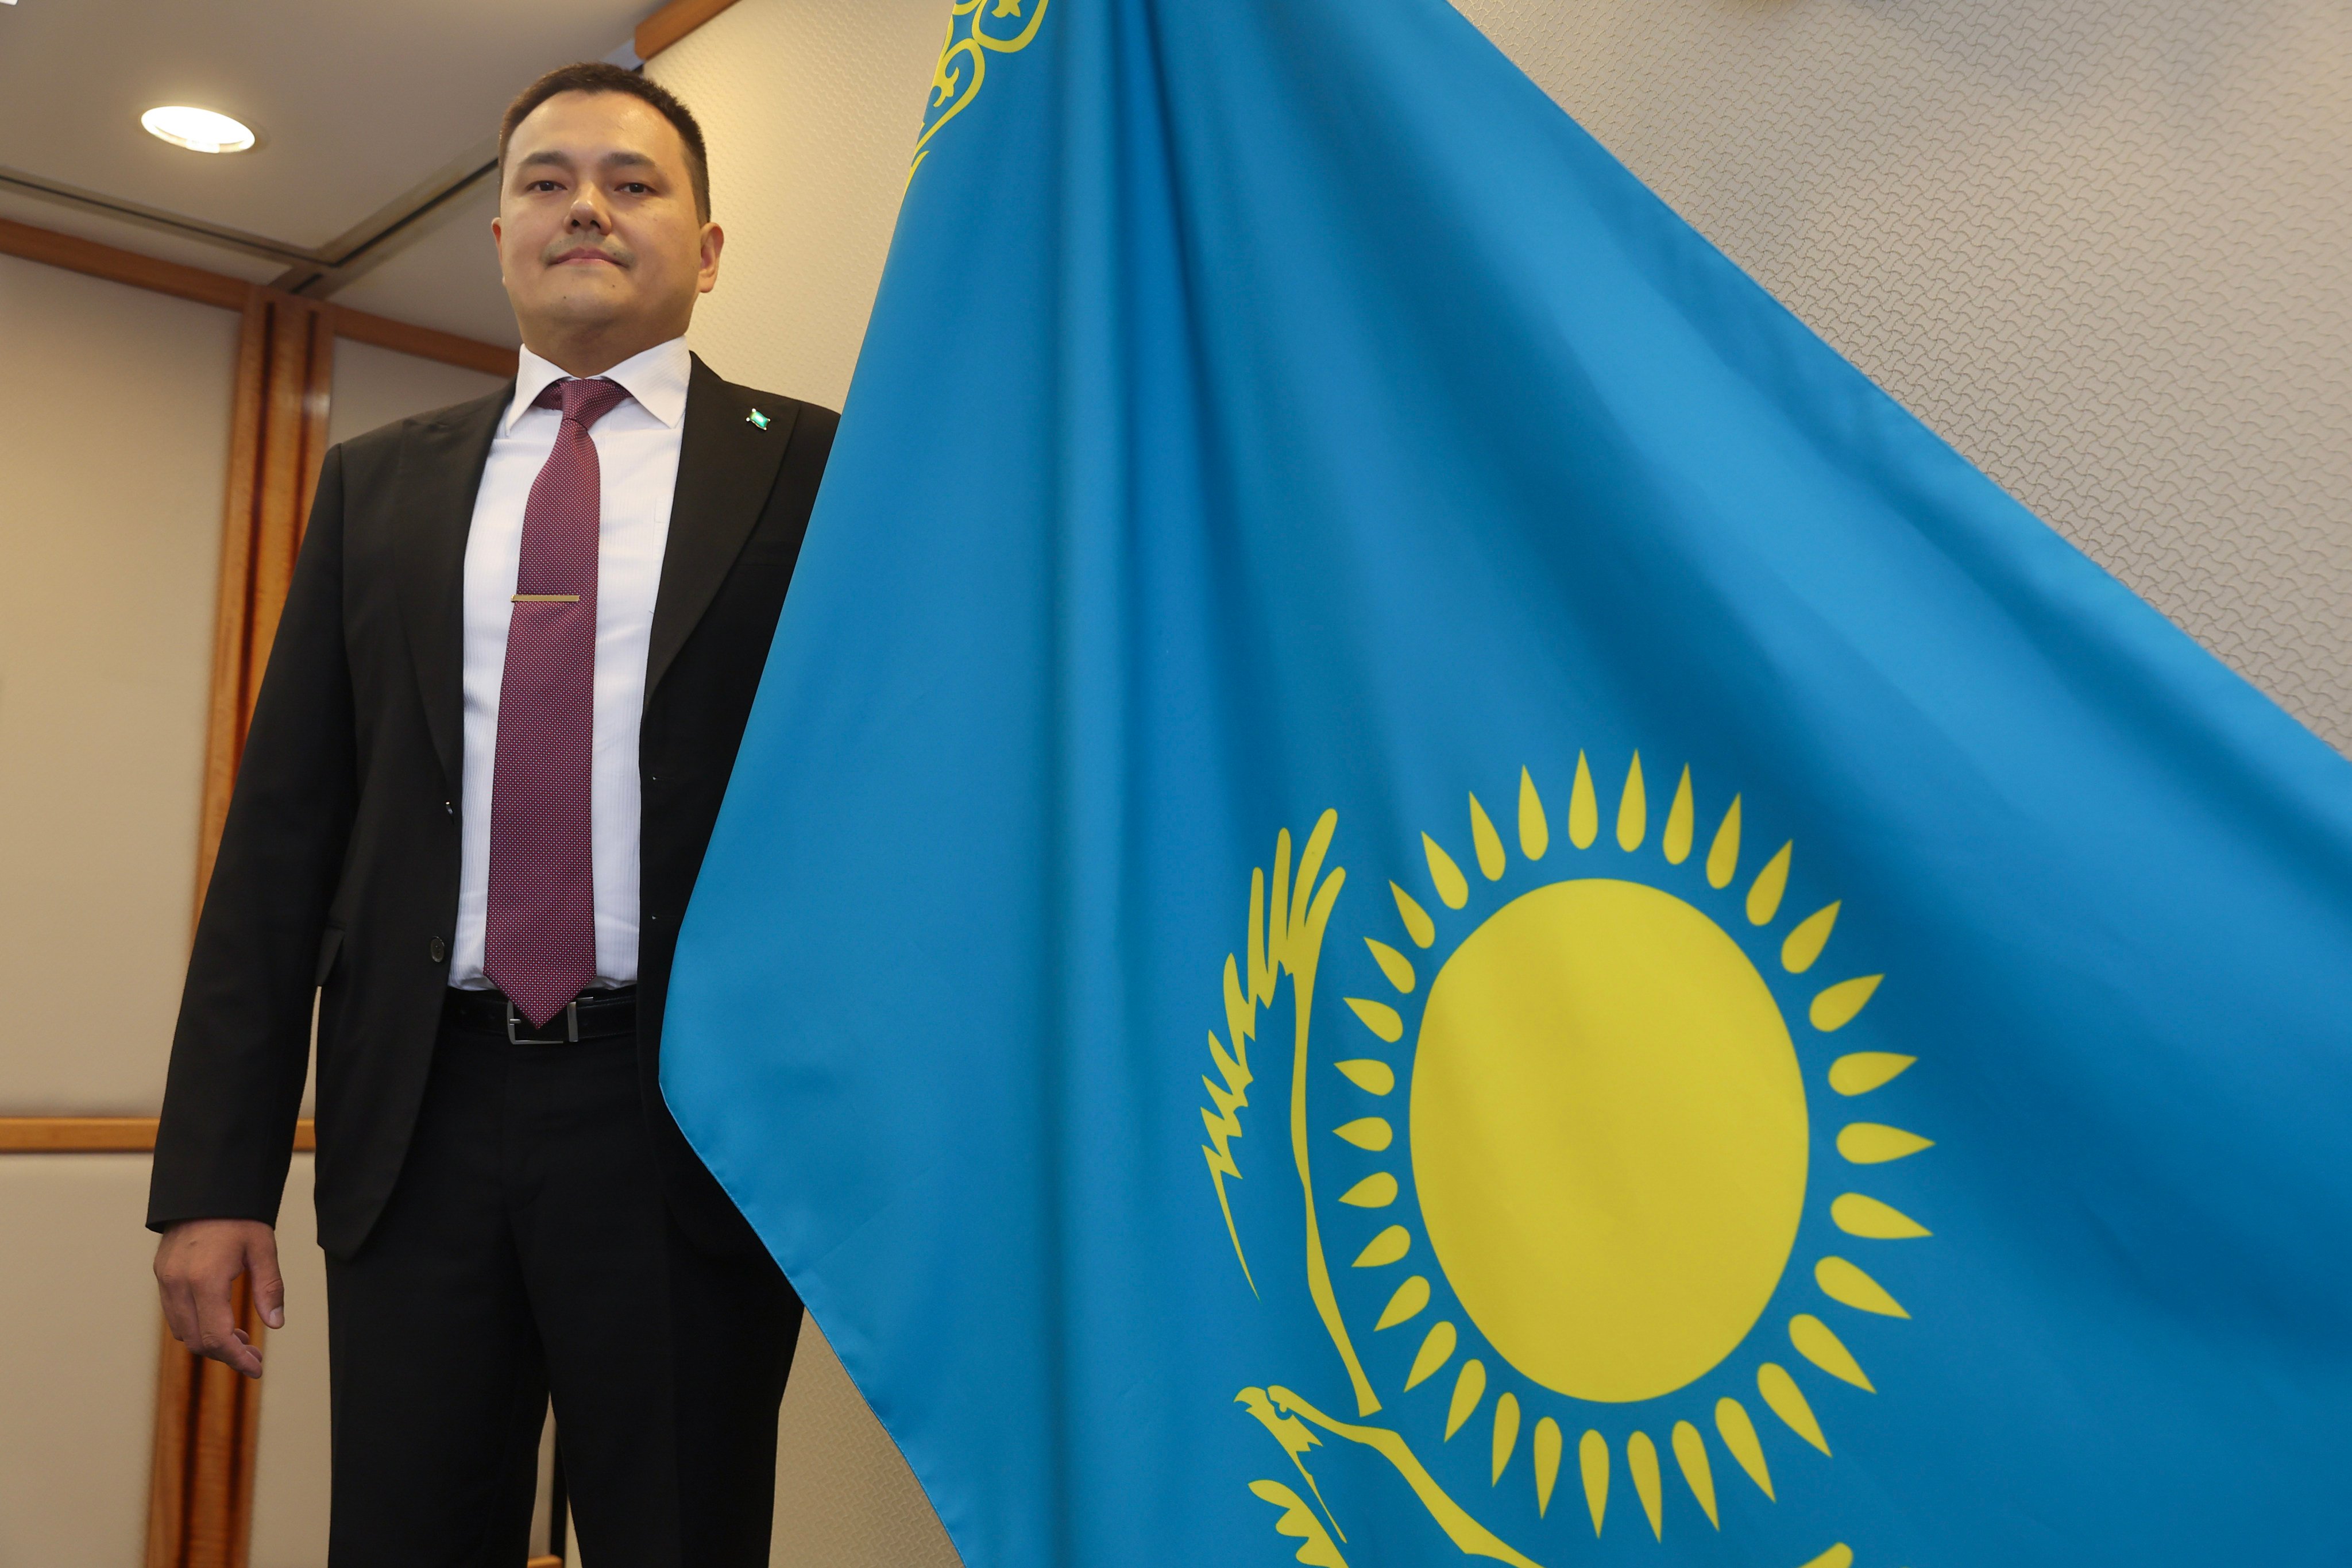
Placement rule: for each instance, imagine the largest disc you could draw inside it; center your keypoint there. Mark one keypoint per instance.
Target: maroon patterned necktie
(539, 938)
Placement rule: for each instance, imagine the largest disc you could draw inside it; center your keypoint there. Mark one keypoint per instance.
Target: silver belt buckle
(570, 1027)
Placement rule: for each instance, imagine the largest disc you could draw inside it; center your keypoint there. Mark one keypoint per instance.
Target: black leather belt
(590, 1015)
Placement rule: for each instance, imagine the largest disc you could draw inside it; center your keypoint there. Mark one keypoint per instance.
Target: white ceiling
(355, 105)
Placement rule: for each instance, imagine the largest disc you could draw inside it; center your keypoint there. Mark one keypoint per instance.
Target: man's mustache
(612, 250)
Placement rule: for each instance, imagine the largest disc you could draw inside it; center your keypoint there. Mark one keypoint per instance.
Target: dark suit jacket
(338, 868)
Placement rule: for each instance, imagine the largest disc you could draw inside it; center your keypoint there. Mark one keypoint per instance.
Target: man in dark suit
(498, 717)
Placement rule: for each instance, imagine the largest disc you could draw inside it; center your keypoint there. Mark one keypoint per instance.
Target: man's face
(596, 230)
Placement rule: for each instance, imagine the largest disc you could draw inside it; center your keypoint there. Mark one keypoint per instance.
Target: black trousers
(528, 1253)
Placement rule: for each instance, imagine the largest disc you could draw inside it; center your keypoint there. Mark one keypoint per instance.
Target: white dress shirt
(637, 461)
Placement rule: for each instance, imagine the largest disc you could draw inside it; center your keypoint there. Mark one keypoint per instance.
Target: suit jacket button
(451, 806)
(438, 949)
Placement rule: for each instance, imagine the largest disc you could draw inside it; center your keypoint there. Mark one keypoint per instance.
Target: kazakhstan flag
(1414, 884)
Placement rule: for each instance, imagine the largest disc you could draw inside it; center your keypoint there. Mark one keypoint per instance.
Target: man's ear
(714, 240)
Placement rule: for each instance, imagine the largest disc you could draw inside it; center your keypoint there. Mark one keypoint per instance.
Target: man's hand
(196, 1267)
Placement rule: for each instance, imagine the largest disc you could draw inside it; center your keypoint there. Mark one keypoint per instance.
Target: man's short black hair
(596, 75)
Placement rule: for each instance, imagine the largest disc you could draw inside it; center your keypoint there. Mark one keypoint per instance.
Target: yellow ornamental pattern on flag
(1594, 1148)
(976, 29)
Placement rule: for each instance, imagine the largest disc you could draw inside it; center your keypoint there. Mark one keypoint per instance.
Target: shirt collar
(655, 378)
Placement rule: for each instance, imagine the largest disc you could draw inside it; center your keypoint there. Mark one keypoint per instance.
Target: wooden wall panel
(78, 255)
(423, 343)
(207, 1421)
(673, 22)
(100, 1135)
(284, 377)
(208, 1417)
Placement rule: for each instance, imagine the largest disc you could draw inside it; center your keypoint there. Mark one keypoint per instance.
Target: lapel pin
(758, 419)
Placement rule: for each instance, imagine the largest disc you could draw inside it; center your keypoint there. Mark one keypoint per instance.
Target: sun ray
(1842, 1281)
(1835, 1008)
(1787, 1401)
(1469, 1388)
(1371, 1133)
(1379, 1017)
(1486, 841)
(1409, 1298)
(1690, 1453)
(1805, 942)
(1866, 1070)
(1535, 832)
(1371, 1077)
(1436, 1350)
(1583, 811)
(1543, 1450)
(1677, 841)
(1875, 1143)
(1764, 893)
(1417, 923)
(1507, 1435)
(1642, 1464)
(1593, 1465)
(1377, 1191)
(1858, 1215)
(1738, 1435)
(1453, 888)
(1396, 965)
(1723, 855)
(1633, 809)
(1837, 1556)
(1817, 1344)
(1385, 1249)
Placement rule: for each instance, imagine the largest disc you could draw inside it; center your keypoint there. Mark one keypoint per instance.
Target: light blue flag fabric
(1412, 883)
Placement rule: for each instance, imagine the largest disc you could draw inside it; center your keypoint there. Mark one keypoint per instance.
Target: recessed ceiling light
(197, 130)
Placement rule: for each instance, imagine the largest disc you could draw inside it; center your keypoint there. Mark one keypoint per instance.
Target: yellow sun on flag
(1609, 1134)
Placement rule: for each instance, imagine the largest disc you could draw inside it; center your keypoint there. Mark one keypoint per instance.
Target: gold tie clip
(546, 598)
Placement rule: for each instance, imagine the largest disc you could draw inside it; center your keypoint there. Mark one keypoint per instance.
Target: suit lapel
(441, 465)
(726, 467)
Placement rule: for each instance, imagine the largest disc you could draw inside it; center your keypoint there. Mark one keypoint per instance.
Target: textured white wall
(113, 456)
(845, 1498)
(809, 107)
(2103, 246)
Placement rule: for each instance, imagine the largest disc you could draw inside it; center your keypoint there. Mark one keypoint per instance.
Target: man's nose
(587, 213)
